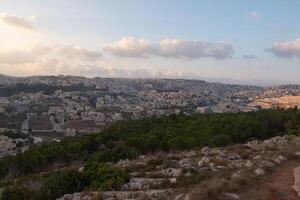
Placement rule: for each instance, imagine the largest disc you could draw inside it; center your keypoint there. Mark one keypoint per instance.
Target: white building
(2, 110)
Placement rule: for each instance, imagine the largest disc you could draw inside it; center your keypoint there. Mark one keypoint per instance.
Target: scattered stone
(205, 149)
(173, 180)
(144, 182)
(180, 197)
(172, 172)
(279, 159)
(297, 154)
(188, 174)
(259, 172)
(236, 175)
(267, 164)
(205, 160)
(234, 156)
(80, 169)
(230, 196)
(248, 164)
(257, 157)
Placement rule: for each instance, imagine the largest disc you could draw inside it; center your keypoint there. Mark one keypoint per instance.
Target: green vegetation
(104, 177)
(17, 193)
(126, 140)
(62, 182)
(95, 177)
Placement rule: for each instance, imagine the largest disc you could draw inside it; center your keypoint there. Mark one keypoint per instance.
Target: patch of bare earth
(275, 186)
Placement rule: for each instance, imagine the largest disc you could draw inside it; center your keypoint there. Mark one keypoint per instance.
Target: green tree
(105, 177)
(62, 182)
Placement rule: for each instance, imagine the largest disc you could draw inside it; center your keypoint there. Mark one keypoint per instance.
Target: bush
(105, 177)
(62, 182)
(17, 193)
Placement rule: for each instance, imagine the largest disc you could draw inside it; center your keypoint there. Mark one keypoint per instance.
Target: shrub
(17, 193)
(105, 177)
(62, 182)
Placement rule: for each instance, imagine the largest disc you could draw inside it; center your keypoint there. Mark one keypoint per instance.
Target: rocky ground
(256, 170)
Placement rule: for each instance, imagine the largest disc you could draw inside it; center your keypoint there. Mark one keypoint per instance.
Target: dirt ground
(276, 186)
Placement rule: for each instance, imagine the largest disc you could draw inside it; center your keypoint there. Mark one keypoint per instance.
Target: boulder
(229, 196)
(259, 172)
(172, 172)
(80, 169)
(267, 164)
(173, 180)
(248, 164)
(204, 161)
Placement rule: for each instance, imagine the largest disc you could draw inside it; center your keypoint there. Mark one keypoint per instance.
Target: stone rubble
(159, 180)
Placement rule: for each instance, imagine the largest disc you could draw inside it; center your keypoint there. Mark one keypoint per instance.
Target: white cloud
(129, 47)
(254, 14)
(78, 53)
(52, 66)
(172, 48)
(193, 49)
(17, 21)
(125, 72)
(24, 54)
(286, 49)
(35, 51)
(43, 59)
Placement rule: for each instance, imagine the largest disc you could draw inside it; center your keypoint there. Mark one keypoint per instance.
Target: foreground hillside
(112, 161)
(257, 170)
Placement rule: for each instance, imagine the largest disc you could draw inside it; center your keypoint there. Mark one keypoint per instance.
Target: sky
(232, 41)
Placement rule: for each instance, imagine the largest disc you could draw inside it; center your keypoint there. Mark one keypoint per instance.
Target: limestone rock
(259, 172)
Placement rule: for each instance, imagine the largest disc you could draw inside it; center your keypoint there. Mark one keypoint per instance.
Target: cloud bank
(17, 22)
(35, 51)
(170, 48)
(75, 52)
(44, 59)
(286, 49)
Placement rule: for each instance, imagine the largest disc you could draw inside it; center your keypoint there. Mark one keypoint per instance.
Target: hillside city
(47, 108)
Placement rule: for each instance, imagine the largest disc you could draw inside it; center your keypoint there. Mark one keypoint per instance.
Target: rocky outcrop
(162, 175)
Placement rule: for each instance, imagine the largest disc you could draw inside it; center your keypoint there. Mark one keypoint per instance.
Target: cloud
(43, 59)
(249, 56)
(52, 66)
(286, 49)
(253, 14)
(76, 52)
(129, 47)
(39, 58)
(24, 54)
(125, 72)
(170, 48)
(35, 51)
(193, 49)
(17, 21)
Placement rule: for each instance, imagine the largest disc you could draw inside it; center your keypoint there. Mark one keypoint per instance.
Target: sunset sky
(232, 41)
